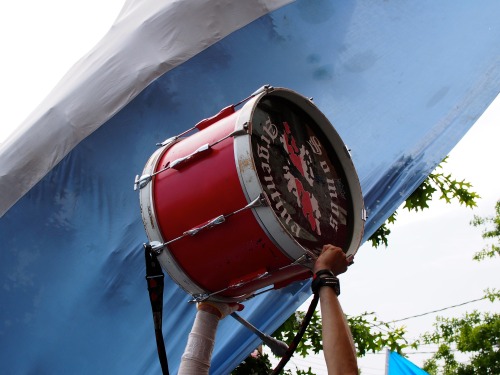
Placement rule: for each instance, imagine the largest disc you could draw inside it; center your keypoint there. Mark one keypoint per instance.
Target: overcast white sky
(428, 264)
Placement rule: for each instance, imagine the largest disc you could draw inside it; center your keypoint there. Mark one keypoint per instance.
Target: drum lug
(258, 202)
(265, 88)
(239, 132)
(156, 246)
(224, 112)
(168, 141)
(178, 162)
(348, 151)
(200, 297)
(142, 181)
(212, 223)
(364, 215)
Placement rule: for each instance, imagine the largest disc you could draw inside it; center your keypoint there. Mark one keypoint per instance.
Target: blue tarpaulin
(400, 82)
(398, 365)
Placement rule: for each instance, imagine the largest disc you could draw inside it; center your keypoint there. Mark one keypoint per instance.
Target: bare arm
(198, 352)
(338, 345)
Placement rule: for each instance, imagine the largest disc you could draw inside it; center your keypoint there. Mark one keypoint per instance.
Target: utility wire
(439, 310)
(430, 312)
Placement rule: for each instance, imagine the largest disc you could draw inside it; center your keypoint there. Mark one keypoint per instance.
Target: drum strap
(296, 340)
(154, 278)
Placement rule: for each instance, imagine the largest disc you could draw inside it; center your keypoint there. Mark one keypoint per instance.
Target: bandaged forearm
(201, 340)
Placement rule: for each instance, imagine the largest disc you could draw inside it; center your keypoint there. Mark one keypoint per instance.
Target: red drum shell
(252, 248)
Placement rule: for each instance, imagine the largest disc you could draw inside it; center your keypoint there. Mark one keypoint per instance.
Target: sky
(428, 264)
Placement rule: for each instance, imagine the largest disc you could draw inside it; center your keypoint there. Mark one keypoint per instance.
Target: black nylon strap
(328, 279)
(154, 278)
(293, 345)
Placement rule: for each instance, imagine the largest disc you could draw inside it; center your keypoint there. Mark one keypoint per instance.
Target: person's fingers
(333, 258)
(220, 308)
(350, 259)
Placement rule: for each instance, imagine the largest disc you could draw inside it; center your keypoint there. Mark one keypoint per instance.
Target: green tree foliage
(437, 182)
(369, 334)
(489, 233)
(475, 334)
(259, 364)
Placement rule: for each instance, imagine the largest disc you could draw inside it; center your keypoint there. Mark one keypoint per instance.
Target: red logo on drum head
(300, 174)
(304, 198)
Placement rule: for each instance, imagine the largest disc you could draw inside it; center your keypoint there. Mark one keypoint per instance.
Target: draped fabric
(398, 365)
(400, 82)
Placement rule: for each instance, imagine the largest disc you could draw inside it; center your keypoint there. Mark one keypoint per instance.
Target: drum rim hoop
(250, 181)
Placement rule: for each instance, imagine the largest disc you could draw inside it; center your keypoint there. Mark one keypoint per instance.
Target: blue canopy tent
(401, 83)
(399, 365)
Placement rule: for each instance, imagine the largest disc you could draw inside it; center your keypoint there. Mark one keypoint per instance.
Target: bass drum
(246, 203)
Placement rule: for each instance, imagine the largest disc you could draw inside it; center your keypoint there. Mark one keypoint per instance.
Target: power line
(413, 353)
(439, 310)
(430, 312)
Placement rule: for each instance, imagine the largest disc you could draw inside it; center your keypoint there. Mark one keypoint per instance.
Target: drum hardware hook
(142, 181)
(241, 283)
(156, 246)
(176, 137)
(306, 258)
(302, 260)
(168, 141)
(348, 150)
(204, 296)
(257, 202)
(199, 297)
(262, 291)
(233, 134)
(259, 91)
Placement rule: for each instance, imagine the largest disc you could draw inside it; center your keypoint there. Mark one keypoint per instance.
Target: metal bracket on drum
(143, 180)
(259, 91)
(205, 296)
(224, 112)
(303, 260)
(201, 150)
(348, 151)
(157, 246)
(168, 141)
(212, 223)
